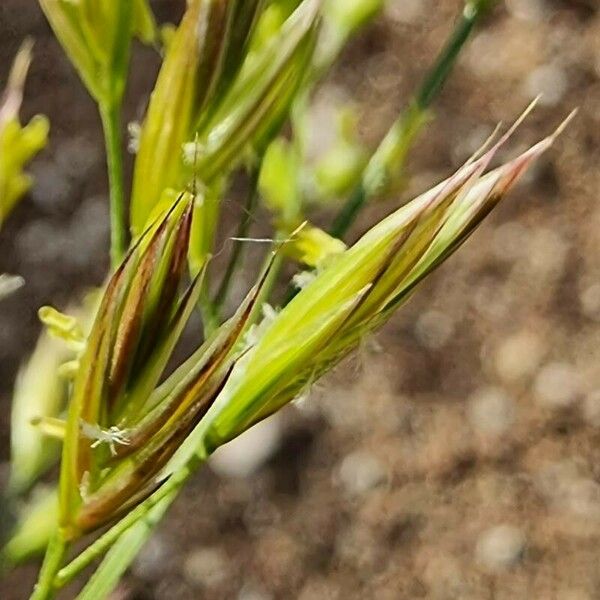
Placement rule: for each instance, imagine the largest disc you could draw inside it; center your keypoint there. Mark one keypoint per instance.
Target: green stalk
(434, 81)
(111, 123)
(107, 540)
(45, 588)
(242, 232)
(122, 542)
(410, 123)
(122, 554)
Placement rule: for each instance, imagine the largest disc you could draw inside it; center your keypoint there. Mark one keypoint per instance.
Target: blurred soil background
(457, 456)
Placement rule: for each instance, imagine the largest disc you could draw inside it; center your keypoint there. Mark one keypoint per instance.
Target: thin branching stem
(437, 76)
(411, 121)
(121, 554)
(111, 121)
(105, 541)
(238, 247)
(164, 495)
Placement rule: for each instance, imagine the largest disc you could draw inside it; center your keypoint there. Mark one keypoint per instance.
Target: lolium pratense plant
(233, 73)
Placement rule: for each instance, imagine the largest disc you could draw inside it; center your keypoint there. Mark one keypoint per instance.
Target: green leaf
(204, 225)
(347, 17)
(121, 555)
(342, 19)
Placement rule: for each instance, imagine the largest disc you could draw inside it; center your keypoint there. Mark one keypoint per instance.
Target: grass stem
(111, 123)
(412, 120)
(45, 588)
(242, 232)
(161, 497)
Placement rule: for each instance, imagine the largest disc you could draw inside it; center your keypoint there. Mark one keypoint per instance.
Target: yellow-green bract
(18, 143)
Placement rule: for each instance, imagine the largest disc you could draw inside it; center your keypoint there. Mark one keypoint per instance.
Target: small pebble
(546, 253)
(360, 472)
(249, 592)
(434, 329)
(474, 138)
(589, 300)
(566, 488)
(490, 299)
(500, 547)
(322, 136)
(573, 594)
(319, 590)
(554, 480)
(509, 241)
(260, 515)
(379, 70)
(549, 82)
(534, 11)
(591, 408)
(53, 189)
(405, 11)
(491, 411)
(583, 499)
(443, 576)
(206, 567)
(152, 561)
(557, 385)
(88, 234)
(518, 356)
(40, 242)
(358, 546)
(76, 156)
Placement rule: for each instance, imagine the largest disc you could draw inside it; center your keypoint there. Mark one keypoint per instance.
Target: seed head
(123, 424)
(358, 291)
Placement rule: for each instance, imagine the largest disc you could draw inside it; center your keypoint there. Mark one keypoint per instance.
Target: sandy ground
(457, 456)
